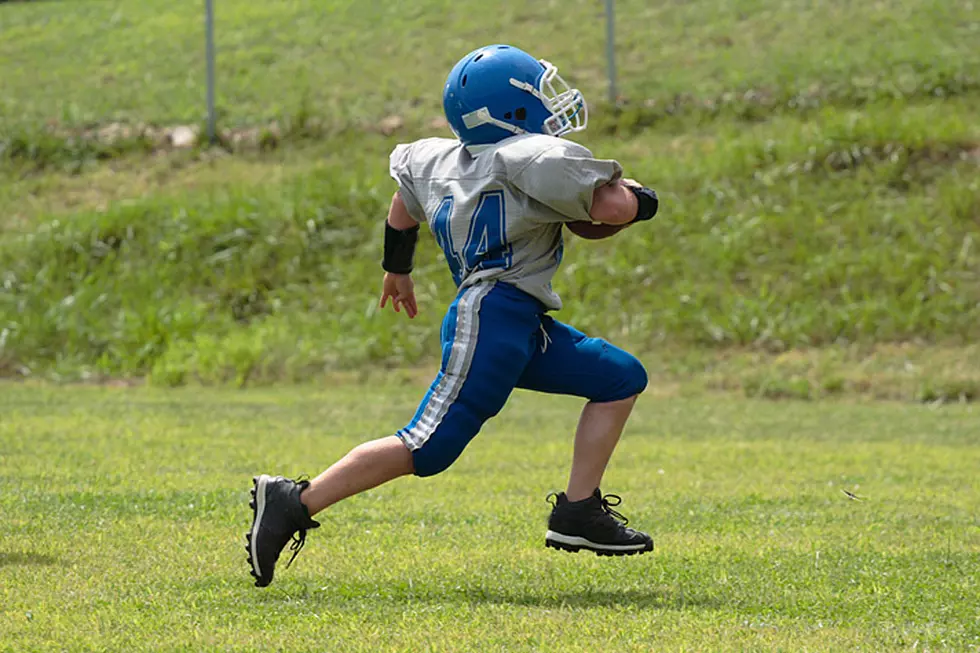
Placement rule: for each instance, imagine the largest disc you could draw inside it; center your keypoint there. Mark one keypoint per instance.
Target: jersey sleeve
(563, 178)
(400, 169)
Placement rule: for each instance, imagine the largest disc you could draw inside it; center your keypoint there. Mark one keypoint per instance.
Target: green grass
(124, 511)
(819, 166)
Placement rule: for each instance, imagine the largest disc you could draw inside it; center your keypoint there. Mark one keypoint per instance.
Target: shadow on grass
(661, 598)
(357, 594)
(15, 559)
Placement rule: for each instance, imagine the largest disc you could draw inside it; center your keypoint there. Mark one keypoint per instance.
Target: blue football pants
(496, 338)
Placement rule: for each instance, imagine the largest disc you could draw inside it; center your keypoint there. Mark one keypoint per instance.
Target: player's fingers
(411, 307)
(384, 299)
(405, 301)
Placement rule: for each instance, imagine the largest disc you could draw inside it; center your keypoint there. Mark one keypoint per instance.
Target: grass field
(819, 166)
(124, 511)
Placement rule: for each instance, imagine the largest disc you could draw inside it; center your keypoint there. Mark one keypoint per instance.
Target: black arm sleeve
(399, 255)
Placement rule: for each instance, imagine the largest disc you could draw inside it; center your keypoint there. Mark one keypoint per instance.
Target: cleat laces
(608, 502)
(298, 541)
(299, 537)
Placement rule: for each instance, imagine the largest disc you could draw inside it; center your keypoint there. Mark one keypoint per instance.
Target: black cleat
(593, 525)
(278, 517)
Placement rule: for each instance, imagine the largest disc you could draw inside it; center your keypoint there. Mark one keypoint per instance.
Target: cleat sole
(576, 544)
(257, 508)
(561, 547)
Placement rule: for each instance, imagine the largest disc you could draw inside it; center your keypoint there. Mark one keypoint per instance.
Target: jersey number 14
(486, 244)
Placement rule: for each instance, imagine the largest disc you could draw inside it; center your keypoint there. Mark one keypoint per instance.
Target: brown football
(594, 230)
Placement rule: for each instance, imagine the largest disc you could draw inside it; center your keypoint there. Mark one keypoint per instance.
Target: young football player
(495, 198)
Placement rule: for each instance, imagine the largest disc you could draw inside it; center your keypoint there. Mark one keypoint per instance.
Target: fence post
(209, 53)
(611, 50)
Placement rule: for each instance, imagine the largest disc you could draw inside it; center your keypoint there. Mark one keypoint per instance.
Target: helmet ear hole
(507, 116)
(521, 114)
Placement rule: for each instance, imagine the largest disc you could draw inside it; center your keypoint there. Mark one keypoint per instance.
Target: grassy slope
(836, 202)
(123, 514)
(766, 240)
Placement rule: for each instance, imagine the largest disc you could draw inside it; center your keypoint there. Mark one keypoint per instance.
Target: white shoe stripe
(259, 510)
(574, 540)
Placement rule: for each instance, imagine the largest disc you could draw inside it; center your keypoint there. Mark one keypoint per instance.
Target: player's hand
(401, 289)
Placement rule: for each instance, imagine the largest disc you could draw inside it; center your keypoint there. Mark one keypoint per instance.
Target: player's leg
(366, 466)
(493, 342)
(569, 362)
(283, 507)
(488, 338)
(598, 432)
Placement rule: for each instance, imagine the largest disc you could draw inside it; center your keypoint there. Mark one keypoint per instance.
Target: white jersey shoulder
(520, 151)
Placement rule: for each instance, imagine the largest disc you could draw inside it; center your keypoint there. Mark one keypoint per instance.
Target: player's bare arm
(613, 209)
(401, 232)
(616, 206)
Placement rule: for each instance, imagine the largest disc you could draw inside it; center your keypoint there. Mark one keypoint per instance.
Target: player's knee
(434, 451)
(631, 376)
(624, 375)
(431, 460)
(635, 376)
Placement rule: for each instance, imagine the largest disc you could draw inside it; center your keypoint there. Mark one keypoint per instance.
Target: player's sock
(278, 517)
(593, 525)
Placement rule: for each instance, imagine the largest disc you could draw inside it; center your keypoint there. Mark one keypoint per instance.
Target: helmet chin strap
(482, 116)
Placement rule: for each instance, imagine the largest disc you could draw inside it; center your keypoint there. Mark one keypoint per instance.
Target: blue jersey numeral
(444, 236)
(486, 244)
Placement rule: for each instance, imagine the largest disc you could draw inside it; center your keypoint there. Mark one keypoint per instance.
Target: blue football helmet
(499, 91)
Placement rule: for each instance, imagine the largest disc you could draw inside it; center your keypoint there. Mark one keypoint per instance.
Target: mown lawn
(124, 509)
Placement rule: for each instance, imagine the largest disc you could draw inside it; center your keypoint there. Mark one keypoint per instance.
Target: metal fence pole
(611, 51)
(209, 38)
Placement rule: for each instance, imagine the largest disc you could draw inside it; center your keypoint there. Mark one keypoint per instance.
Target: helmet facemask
(569, 112)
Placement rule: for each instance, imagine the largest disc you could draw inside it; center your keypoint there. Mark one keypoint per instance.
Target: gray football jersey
(497, 212)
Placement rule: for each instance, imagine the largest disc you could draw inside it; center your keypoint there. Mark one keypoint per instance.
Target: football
(594, 230)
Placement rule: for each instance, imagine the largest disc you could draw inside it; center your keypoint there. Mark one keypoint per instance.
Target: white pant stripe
(457, 367)
(460, 359)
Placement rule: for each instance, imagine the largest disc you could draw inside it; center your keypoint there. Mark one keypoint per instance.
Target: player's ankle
(579, 495)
